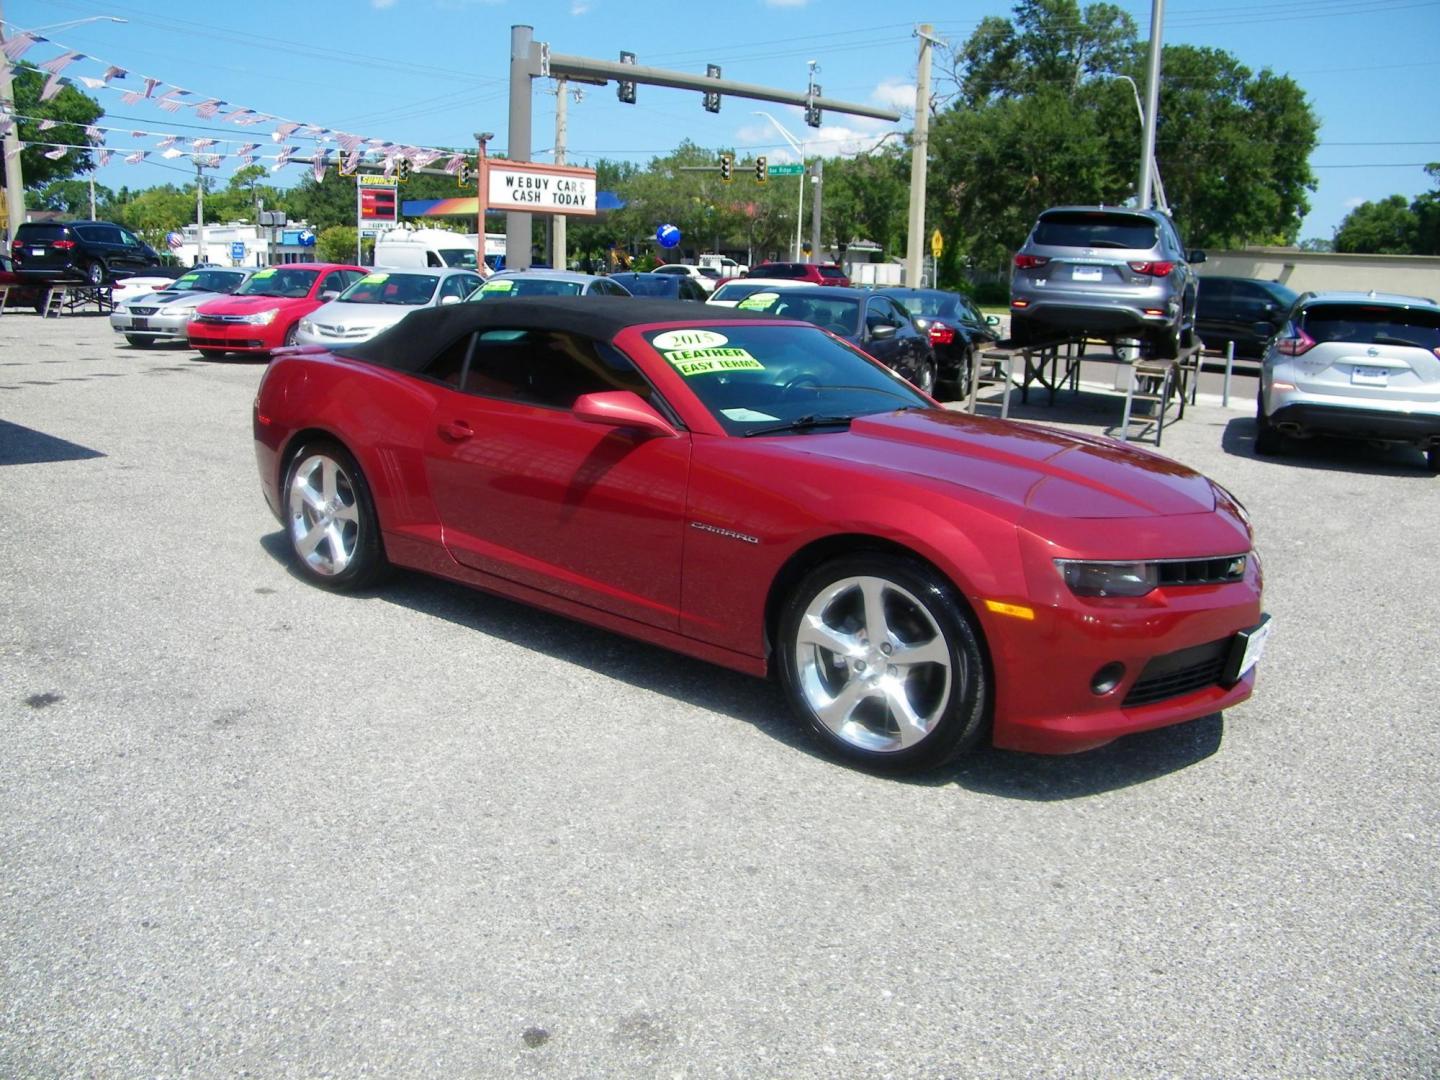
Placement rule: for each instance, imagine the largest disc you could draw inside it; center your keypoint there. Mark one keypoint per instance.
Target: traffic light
(402, 170)
(812, 110)
(625, 89)
(712, 97)
(762, 172)
(727, 168)
(464, 177)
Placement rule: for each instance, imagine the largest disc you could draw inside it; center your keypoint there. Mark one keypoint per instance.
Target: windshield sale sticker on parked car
(689, 339)
(758, 301)
(690, 362)
(497, 286)
(266, 273)
(374, 279)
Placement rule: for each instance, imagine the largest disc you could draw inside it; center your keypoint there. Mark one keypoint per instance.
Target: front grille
(143, 310)
(220, 319)
(1202, 571)
(224, 343)
(1176, 674)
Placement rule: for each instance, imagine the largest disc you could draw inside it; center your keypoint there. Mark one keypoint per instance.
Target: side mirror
(1196, 256)
(621, 408)
(882, 331)
(992, 320)
(446, 301)
(329, 294)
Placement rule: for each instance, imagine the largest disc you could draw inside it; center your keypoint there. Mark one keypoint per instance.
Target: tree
(71, 197)
(72, 111)
(1386, 227)
(336, 244)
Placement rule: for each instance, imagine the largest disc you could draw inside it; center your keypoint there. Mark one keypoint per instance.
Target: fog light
(1107, 678)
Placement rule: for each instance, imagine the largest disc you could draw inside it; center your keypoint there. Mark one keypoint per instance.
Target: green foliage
(70, 197)
(336, 244)
(866, 199)
(72, 110)
(155, 211)
(1394, 227)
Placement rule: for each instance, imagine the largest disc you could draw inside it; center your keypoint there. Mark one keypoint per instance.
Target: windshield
(1095, 228)
(738, 290)
(460, 258)
(648, 285)
(753, 377)
(279, 281)
(411, 290)
(935, 305)
(840, 315)
(1372, 324)
(517, 286)
(217, 281)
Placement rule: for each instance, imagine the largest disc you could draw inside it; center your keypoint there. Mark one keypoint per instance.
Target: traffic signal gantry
(727, 168)
(762, 170)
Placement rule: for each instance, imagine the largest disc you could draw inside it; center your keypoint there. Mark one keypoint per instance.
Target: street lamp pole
(799, 149)
(14, 174)
(201, 253)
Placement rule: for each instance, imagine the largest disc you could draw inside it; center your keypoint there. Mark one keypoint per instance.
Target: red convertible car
(757, 493)
(265, 312)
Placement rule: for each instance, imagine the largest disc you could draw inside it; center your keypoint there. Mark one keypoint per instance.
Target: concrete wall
(1306, 271)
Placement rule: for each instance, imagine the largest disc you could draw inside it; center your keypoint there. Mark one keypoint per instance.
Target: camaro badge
(718, 531)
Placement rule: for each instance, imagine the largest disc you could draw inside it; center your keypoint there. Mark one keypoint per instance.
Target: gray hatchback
(1106, 272)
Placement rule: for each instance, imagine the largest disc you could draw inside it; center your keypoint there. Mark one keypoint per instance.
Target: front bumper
(162, 326)
(236, 337)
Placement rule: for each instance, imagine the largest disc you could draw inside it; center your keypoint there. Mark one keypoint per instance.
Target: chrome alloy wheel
(324, 515)
(873, 665)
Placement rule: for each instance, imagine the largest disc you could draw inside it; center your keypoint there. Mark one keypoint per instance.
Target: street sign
(937, 244)
(374, 180)
(785, 170)
(237, 250)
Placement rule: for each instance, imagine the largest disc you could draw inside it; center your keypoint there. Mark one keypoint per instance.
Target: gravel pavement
(249, 828)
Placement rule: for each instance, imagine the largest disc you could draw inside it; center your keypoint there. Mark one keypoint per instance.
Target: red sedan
(757, 493)
(265, 312)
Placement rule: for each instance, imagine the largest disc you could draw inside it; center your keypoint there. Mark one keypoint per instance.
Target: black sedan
(1228, 309)
(661, 286)
(957, 329)
(875, 323)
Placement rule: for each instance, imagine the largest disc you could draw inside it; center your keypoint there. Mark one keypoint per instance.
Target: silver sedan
(382, 298)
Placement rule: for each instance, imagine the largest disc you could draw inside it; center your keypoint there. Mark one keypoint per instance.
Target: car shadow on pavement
(760, 703)
(1329, 455)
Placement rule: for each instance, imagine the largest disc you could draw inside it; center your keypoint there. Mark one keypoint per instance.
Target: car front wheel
(330, 519)
(138, 341)
(1432, 459)
(95, 273)
(883, 664)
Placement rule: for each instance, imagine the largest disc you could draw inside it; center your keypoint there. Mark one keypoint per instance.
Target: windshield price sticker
(374, 279)
(497, 286)
(266, 273)
(758, 301)
(689, 339)
(187, 279)
(690, 362)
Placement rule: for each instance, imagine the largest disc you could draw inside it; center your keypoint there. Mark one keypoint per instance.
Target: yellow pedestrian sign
(937, 244)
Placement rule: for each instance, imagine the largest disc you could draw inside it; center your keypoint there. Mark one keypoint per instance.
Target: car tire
(1165, 343)
(330, 521)
(925, 376)
(292, 335)
(1432, 459)
(1268, 439)
(139, 342)
(853, 616)
(212, 354)
(1022, 330)
(95, 273)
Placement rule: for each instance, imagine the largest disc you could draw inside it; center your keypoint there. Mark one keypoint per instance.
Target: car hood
(246, 305)
(176, 301)
(1043, 470)
(358, 316)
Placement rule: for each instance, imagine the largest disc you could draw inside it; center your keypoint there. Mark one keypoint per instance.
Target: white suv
(704, 276)
(1357, 366)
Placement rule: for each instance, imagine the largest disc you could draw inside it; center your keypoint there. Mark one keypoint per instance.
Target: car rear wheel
(1432, 459)
(1022, 330)
(138, 341)
(95, 273)
(883, 664)
(330, 519)
(1268, 440)
(1165, 343)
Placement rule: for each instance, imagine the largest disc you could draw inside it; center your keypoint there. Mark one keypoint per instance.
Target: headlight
(306, 326)
(1109, 578)
(262, 318)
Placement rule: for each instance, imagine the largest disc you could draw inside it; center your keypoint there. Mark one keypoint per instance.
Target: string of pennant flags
(347, 154)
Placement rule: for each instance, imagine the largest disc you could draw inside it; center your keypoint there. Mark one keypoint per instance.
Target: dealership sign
(539, 189)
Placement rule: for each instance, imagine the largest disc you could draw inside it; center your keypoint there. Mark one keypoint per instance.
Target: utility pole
(919, 150)
(558, 258)
(817, 178)
(482, 191)
(14, 179)
(517, 224)
(92, 198)
(1152, 100)
(200, 251)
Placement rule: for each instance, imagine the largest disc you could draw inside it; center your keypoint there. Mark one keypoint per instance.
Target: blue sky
(432, 72)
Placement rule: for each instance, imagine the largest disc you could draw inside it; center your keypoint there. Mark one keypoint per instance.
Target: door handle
(456, 431)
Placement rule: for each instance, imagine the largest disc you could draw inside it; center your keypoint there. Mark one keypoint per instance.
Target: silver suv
(1105, 272)
(1354, 365)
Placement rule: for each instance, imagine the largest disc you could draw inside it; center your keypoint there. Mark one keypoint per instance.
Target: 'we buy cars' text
(535, 189)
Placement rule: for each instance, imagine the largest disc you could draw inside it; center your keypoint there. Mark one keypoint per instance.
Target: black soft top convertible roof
(414, 340)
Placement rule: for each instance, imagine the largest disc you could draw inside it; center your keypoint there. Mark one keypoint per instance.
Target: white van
(435, 248)
(727, 266)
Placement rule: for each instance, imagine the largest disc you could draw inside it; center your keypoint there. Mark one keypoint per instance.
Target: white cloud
(1354, 201)
(579, 7)
(895, 94)
(850, 136)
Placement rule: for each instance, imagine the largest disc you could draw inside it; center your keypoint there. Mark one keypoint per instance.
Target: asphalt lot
(248, 828)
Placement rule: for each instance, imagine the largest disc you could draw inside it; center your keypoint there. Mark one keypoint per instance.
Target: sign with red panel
(378, 204)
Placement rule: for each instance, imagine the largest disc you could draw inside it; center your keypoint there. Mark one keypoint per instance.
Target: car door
(131, 253)
(891, 348)
(530, 493)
